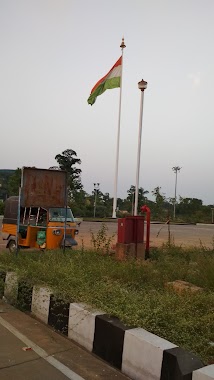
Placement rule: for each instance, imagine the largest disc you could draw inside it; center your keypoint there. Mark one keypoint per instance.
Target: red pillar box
(125, 230)
(130, 230)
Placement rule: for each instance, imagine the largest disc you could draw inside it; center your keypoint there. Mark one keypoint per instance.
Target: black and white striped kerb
(136, 352)
(108, 339)
(206, 373)
(179, 364)
(81, 325)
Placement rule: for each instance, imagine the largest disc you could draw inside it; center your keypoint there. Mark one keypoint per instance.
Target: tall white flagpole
(118, 138)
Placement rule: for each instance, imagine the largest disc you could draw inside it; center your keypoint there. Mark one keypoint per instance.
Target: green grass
(133, 291)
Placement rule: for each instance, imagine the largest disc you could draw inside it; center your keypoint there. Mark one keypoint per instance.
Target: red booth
(131, 230)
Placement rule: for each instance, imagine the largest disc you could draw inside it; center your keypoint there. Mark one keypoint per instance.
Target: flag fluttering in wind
(109, 81)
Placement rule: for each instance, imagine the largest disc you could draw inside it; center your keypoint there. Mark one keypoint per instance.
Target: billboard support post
(66, 206)
(18, 222)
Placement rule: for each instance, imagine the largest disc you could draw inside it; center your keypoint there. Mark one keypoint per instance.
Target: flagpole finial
(122, 44)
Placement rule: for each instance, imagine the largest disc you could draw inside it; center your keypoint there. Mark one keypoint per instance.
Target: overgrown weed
(101, 242)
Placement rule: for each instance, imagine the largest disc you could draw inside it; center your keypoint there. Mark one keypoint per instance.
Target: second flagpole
(118, 140)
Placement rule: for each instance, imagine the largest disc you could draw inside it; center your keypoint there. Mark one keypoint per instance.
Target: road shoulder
(57, 347)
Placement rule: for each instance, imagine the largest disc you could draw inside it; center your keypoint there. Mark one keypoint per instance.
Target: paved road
(51, 357)
(185, 235)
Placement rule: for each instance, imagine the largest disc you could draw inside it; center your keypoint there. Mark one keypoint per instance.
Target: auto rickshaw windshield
(58, 214)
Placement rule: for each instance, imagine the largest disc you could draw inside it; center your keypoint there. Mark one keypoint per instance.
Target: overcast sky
(54, 51)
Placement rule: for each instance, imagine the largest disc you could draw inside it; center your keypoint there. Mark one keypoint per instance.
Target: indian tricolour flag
(109, 81)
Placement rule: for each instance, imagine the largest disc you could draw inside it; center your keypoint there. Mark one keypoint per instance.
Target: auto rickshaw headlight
(57, 232)
(76, 232)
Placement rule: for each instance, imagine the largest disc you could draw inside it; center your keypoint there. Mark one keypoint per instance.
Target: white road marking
(42, 353)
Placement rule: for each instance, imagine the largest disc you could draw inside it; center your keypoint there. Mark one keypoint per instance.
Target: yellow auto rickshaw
(38, 227)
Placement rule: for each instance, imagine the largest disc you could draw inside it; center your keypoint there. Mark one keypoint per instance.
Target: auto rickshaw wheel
(12, 246)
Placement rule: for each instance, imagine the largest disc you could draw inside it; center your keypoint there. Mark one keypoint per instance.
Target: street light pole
(142, 86)
(175, 169)
(96, 189)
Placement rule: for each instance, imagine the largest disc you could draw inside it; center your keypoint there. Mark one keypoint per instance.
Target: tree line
(100, 204)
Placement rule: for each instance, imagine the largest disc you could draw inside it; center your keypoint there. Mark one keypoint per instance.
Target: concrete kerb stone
(41, 303)
(11, 287)
(109, 339)
(206, 373)
(81, 325)
(179, 364)
(140, 354)
(139, 347)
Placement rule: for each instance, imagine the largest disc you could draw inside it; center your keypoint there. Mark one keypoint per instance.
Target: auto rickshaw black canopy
(11, 210)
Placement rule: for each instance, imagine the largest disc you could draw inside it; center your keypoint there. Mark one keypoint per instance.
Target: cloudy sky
(54, 51)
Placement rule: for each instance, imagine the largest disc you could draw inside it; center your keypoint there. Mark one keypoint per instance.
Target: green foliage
(142, 199)
(78, 203)
(159, 208)
(67, 161)
(133, 291)
(1, 207)
(24, 298)
(14, 182)
(101, 241)
(1, 287)
(187, 205)
(5, 175)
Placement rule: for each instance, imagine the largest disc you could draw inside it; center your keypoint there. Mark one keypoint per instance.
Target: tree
(160, 200)
(14, 182)
(79, 203)
(67, 161)
(5, 175)
(141, 197)
(1, 207)
(188, 206)
(108, 202)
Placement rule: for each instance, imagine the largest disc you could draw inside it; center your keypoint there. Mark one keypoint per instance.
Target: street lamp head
(176, 169)
(96, 185)
(142, 85)
(122, 44)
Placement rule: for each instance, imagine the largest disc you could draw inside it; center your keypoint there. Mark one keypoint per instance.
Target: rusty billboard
(43, 188)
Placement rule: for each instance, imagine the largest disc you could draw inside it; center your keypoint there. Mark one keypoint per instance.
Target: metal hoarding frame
(42, 188)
